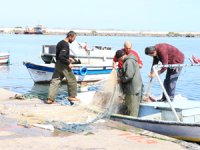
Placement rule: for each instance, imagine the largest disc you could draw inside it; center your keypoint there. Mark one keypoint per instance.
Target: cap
(119, 53)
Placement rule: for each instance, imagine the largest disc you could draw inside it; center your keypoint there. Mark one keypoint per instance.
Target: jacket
(131, 78)
(167, 54)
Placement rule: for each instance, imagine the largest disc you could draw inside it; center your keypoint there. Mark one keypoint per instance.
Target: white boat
(4, 57)
(83, 72)
(178, 119)
(96, 54)
(178, 130)
(158, 117)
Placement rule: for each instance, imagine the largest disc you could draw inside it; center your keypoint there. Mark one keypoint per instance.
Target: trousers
(61, 71)
(170, 81)
(132, 103)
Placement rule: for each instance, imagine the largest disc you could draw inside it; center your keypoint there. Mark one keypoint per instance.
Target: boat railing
(156, 68)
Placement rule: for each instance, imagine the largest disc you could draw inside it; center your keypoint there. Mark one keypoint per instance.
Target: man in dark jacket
(131, 82)
(166, 54)
(63, 68)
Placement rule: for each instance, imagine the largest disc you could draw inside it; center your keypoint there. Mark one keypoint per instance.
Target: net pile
(105, 102)
(76, 118)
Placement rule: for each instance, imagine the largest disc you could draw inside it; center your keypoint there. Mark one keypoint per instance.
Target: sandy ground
(17, 130)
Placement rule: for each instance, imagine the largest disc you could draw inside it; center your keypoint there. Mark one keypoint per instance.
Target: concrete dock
(20, 116)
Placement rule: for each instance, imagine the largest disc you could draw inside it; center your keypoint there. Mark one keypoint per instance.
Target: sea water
(15, 76)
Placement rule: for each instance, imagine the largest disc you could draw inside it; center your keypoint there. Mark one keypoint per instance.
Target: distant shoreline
(92, 32)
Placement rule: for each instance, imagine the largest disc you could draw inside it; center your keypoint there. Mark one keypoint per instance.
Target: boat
(95, 54)
(39, 29)
(179, 119)
(179, 130)
(158, 117)
(163, 122)
(4, 57)
(101, 48)
(41, 73)
(195, 59)
(48, 53)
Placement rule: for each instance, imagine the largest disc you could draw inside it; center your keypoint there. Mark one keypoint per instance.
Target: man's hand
(70, 66)
(119, 81)
(140, 65)
(71, 60)
(152, 75)
(114, 65)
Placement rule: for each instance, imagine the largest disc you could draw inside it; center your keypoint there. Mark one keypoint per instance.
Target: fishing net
(104, 102)
(76, 118)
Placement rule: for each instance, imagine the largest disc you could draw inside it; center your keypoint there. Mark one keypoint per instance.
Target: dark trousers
(170, 81)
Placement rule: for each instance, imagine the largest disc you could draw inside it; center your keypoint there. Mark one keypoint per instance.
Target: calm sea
(15, 77)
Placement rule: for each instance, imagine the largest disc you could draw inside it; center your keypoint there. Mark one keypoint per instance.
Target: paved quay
(18, 129)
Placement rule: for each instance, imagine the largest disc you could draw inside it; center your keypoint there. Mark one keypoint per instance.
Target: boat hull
(83, 73)
(4, 58)
(178, 130)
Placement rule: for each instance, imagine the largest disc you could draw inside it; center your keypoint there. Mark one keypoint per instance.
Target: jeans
(170, 81)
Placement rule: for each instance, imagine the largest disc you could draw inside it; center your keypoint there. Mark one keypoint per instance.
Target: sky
(136, 15)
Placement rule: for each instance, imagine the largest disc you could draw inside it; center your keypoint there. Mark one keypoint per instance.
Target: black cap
(119, 54)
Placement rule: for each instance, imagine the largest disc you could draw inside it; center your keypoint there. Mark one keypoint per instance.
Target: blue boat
(41, 73)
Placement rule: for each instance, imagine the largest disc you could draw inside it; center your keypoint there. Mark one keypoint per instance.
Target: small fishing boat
(157, 117)
(195, 59)
(41, 73)
(39, 29)
(4, 57)
(96, 54)
(178, 119)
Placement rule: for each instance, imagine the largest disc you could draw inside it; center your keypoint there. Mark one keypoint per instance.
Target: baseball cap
(119, 54)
